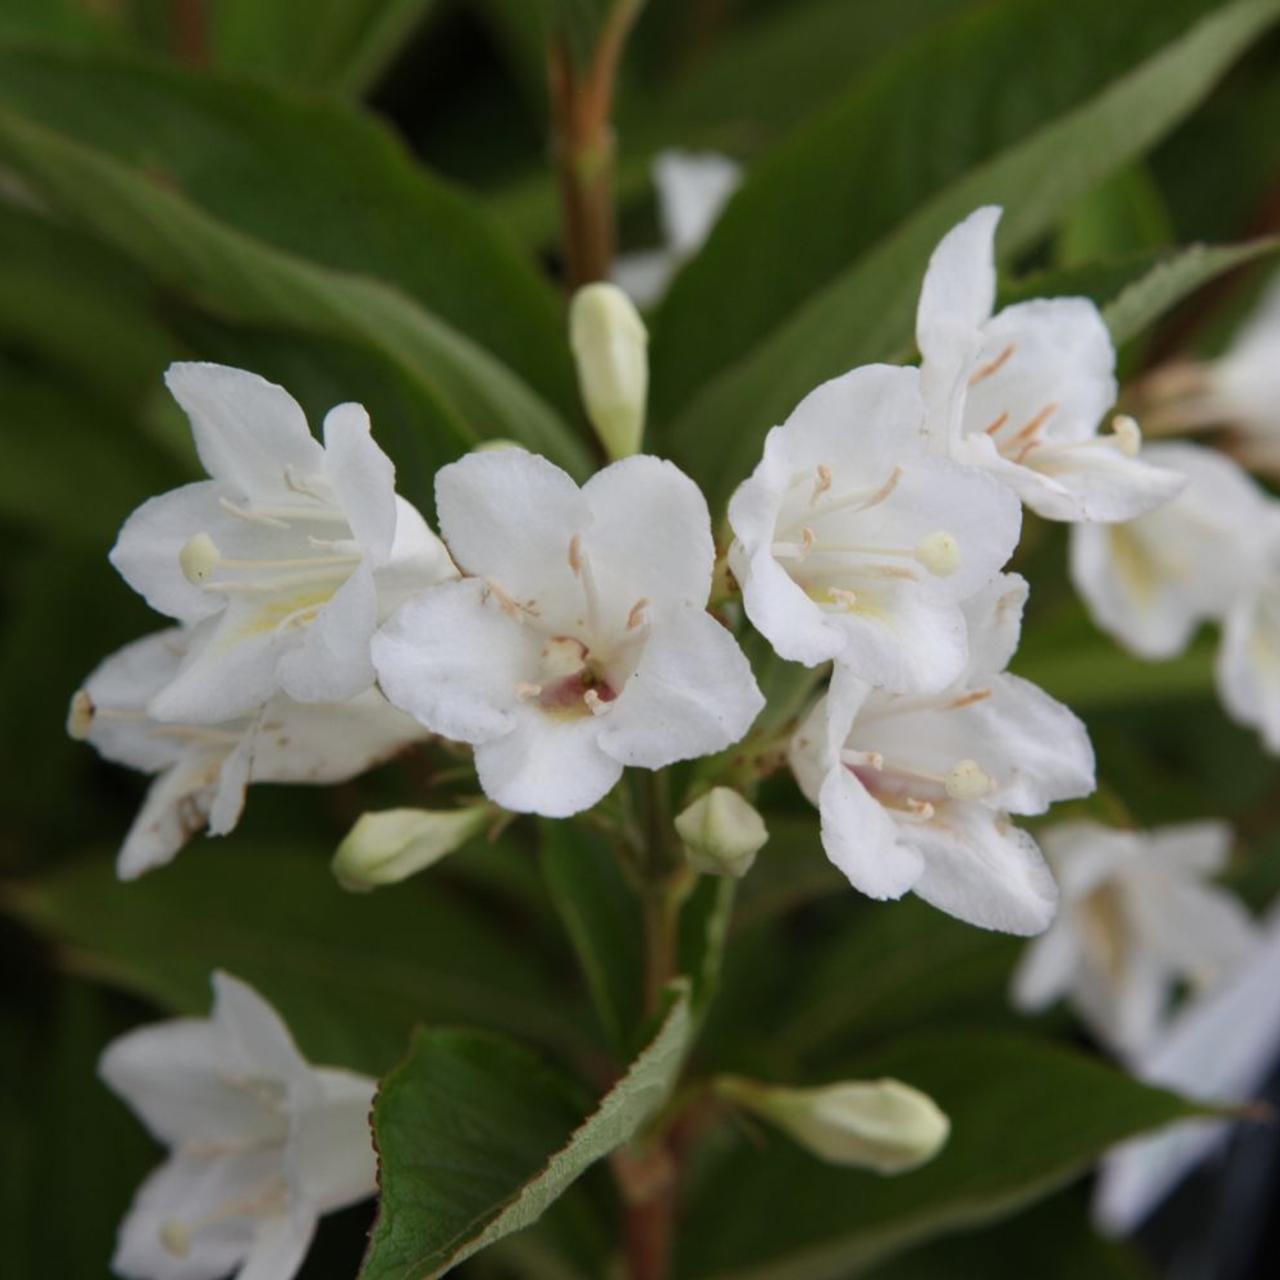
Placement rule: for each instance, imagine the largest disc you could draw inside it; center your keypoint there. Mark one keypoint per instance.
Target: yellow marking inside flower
(1136, 567)
(295, 610)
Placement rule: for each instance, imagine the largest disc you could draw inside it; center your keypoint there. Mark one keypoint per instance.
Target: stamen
(842, 596)
(580, 563)
(861, 502)
(997, 424)
(254, 517)
(1127, 435)
(863, 759)
(281, 517)
(200, 558)
(80, 715)
(636, 618)
(562, 657)
(505, 602)
(992, 366)
(527, 691)
(1026, 435)
(296, 484)
(967, 699)
(967, 781)
(595, 703)
(921, 810)
(822, 483)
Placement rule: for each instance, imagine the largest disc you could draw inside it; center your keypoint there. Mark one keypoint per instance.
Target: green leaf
(339, 46)
(1026, 1117)
(835, 316)
(1123, 214)
(226, 194)
(477, 1138)
(351, 974)
(601, 915)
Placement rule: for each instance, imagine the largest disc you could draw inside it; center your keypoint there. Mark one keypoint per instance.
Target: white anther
(562, 657)
(636, 618)
(199, 557)
(807, 539)
(80, 716)
(526, 691)
(939, 553)
(595, 703)
(1127, 435)
(866, 759)
(968, 781)
(843, 597)
(823, 481)
(921, 810)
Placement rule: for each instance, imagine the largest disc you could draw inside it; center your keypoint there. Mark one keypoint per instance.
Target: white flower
(915, 792)
(579, 642)
(1022, 392)
(285, 558)
(853, 544)
(722, 832)
(1151, 581)
(1248, 666)
(693, 188)
(262, 1143)
(1219, 1047)
(203, 769)
(1136, 919)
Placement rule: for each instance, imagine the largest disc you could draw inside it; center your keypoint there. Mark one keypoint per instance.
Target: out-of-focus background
(279, 151)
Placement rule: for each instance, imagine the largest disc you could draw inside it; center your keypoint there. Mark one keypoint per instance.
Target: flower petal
(247, 430)
(452, 658)
(691, 694)
(693, 188)
(796, 627)
(1046, 968)
(332, 662)
(255, 1034)
(862, 840)
(363, 480)
(650, 535)
(146, 552)
(546, 765)
(279, 1246)
(508, 517)
(993, 617)
(982, 869)
(1248, 665)
(418, 560)
(175, 809)
(330, 1159)
(897, 640)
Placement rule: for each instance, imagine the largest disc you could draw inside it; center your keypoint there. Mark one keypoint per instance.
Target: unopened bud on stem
(722, 833)
(610, 346)
(384, 848)
(883, 1125)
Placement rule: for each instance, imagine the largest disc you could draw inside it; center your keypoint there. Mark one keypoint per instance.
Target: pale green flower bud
(883, 1125)
(722, 833)
(384, 848)
(610, 346)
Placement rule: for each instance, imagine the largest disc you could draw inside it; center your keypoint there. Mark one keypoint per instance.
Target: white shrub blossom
(1137, 918)
(578, 641)
(853, 544)
(202, 770)
(915, 793)
(1150, 581)
(693, 187)
(1022, 392)
(261, 1143)
(284, 560)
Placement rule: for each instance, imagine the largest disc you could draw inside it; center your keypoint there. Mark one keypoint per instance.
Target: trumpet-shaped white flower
(693, 188)
(1150, 581)
(853, 544)
(202, 770)
(579, 641)
(1219, 1047)
(1136, 919)
(261, 1143)
(288, 555)
(915, 792)
(1022, 392)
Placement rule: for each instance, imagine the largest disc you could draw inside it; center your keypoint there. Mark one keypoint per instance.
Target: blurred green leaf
(340, 46)
(351, 974)
(817, 204)
(601, 915)
(1123, 214)
(1026, 1117)
(476, 1139)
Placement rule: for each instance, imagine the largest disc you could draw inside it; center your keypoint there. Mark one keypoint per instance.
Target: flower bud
(722, 833)
(610, 346)
(883, 1125)
(384, 848)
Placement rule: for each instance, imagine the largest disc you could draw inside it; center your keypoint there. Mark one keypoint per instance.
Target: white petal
(452, 658)
(1141, 998)
(993, 616)
(147, 549)
(959, 290)
(649, 537)
(330, 1159)
(227, 802)
(862, 840)
(255, 1032)
(691, 695)
(1047, 967)
(509, 516)
(126, 682)
(279, 1246)
(546, 765)
(794, 625)
(1198, 929)
(363, 480)
(332, 663)
(418, 560)
(980, 868)
(328, 742)
(693, 188)
(188, 1189)
(247, 430)
(175, 809)
(1191, 848)
(644, 276)
(896, 640)
(178, 1076)
(1248, 666)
